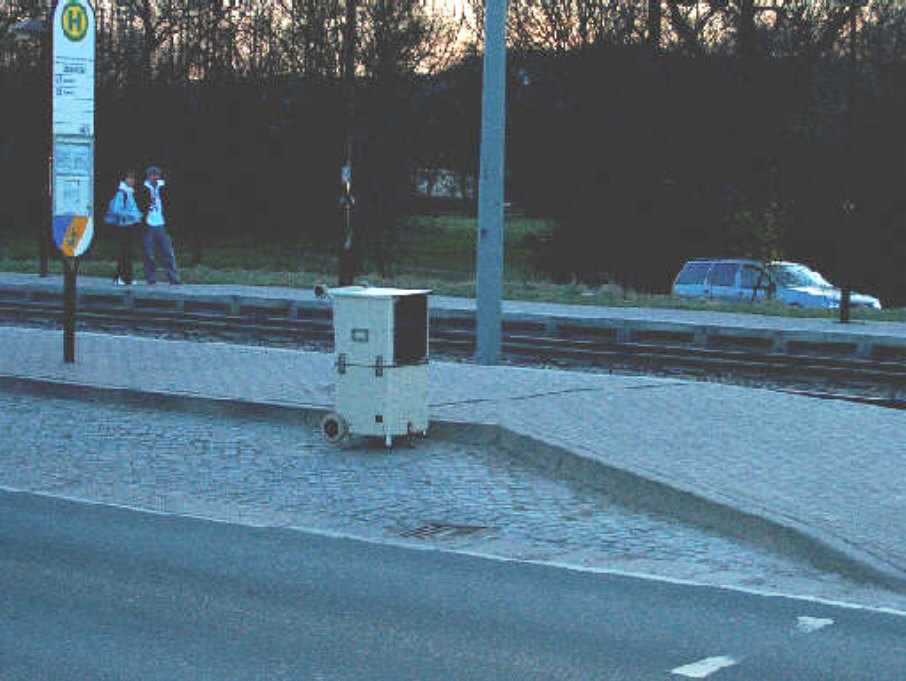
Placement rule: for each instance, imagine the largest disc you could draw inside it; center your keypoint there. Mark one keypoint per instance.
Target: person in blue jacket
(128, 218)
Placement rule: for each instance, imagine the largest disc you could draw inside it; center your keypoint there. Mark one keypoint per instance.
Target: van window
(751, 275)
(693, 273)
(724, 274)
(791, 275)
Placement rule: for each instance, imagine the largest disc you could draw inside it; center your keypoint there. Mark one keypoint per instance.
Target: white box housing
(381, 369)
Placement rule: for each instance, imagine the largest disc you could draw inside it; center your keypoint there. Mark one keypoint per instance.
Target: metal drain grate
(441, 531)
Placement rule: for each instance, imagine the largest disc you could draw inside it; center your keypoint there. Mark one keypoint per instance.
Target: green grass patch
(437, 253)
(449, 243)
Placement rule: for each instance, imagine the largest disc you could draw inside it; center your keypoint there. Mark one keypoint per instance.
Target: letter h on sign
(75, 21)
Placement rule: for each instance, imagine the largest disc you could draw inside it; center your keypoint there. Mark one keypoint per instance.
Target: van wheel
(334, 428)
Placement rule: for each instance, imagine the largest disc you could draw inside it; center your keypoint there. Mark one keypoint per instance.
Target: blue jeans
(157, 239)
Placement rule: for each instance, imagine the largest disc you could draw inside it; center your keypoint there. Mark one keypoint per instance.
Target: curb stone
(781, 535)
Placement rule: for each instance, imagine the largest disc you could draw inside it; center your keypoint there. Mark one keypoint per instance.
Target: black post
(46, 222)
(347, 240)
(849, 205)
(654, 26)
(849, 209)
(45, 225)
(70, 272)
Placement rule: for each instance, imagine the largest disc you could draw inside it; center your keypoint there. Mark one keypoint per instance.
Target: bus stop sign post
(72, 165)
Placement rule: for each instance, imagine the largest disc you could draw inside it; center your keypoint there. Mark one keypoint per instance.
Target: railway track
(872, 381)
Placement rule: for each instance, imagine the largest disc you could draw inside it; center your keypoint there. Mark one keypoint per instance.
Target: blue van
(741, 279)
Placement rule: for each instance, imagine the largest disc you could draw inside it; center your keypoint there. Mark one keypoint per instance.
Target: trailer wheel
(334, 428)
(412, 432)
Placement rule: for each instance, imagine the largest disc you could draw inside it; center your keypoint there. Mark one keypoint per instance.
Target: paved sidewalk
(832, 470)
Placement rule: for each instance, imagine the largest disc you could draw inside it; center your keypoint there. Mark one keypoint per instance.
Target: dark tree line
(710, 128)
(651, 131)
(242, 103)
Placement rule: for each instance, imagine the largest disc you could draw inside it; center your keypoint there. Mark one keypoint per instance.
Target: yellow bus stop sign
(75, 20)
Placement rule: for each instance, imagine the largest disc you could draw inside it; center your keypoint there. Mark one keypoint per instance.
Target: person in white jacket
(152, 202)
(129, 217)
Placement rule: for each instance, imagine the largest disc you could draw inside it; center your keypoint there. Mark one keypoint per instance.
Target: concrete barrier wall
(853, 343)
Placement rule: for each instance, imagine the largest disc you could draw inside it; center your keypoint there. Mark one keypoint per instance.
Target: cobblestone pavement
(435, 493)
(835, 468)
(832, 468)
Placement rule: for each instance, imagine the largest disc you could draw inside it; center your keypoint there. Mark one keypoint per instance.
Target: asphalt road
(93, 592)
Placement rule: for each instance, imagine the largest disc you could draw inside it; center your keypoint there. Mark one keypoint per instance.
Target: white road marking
(807, 625)
(336, 534)
(704, 668)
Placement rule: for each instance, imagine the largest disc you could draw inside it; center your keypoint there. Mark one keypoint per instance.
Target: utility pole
(346, 264)
(490, 187)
